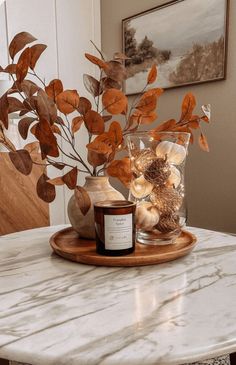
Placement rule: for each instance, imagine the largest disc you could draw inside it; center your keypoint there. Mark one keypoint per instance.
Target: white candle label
(118, 231)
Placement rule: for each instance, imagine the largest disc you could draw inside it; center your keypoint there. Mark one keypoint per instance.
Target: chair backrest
(20, 207)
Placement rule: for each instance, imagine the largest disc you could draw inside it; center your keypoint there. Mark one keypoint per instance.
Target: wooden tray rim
(127, 260)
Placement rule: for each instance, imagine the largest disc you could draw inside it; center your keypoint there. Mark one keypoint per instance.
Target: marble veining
(56, 312)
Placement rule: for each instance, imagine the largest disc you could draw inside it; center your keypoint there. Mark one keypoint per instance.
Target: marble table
(56, 312)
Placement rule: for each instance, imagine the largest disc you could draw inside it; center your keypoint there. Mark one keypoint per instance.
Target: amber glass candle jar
(115, 227)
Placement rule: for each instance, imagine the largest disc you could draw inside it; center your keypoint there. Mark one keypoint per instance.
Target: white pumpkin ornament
(140, 187)
(146, 216)
(175, 177)
(175, 152)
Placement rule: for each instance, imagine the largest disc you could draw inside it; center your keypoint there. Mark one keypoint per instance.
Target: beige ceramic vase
(98, 189)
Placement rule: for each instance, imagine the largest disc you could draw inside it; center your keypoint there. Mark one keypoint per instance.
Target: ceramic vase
(98, 189)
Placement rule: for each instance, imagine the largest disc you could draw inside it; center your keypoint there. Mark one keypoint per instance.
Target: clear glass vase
(157, 184)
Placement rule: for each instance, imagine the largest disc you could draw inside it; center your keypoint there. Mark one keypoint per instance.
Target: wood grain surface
(20, 207)
(67, 244)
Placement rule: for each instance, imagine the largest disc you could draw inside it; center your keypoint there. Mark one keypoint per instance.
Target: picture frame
(187, 39)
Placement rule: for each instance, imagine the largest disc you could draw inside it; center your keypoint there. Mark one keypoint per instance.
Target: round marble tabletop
(54, 311)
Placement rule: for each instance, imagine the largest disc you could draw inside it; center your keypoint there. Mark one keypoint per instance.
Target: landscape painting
(185, 38)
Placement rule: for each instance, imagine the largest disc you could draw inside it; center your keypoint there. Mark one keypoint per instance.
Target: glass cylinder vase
(157, 185)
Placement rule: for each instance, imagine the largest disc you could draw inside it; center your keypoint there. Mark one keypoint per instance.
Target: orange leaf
(32, 147)
(19, 42)
(114, 101)
(182, 128)
(4, 106)
(147, 104)
(76, 124)
(194, 124)
(121, 169)
(67, 101)
(205, 119)
(23, 112)
(96, 159)
(152, 75)
(94, 122)
(165, 126)
(203, 143)
(102, 144)
(143, 118)
(33, 129)
(11, 69)
(29, 88)
(30, 103)
(60, 121)
(70, 179)
(24, 124)
(45, 191)
(46, 138)
(56, 181)
(82, 199)
(194, 117)
(54, 88)
(57, 165)
(115, 133)
(22, 161)
(155, 91)
(100, 150)
(188, 105)
(191, 138)
(92, 85)
(84, 105)
(23, 65)
(106, 118)
(181, 139)
(36, 52)
(15, 105)
(108, 83)
(45, 106)
(115, 71)
(56, 129)
(96, 61)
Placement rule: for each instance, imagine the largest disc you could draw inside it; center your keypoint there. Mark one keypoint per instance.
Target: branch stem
(39, 78)
(23, 97)
(99, 91)
(136, 99)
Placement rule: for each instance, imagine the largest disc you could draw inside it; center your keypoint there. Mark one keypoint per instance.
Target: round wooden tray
(67, 244)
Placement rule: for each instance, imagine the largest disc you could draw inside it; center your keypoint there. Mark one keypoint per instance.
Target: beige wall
(210, 177)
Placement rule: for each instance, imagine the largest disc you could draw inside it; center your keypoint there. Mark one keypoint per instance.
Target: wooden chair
(20, 207)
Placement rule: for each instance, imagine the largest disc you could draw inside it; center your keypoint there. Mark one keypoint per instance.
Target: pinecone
(167, 200)
(143, 159)
(157, 172)
(168, 223)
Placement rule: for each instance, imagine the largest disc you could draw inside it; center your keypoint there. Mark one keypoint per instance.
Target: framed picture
(187, 39)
